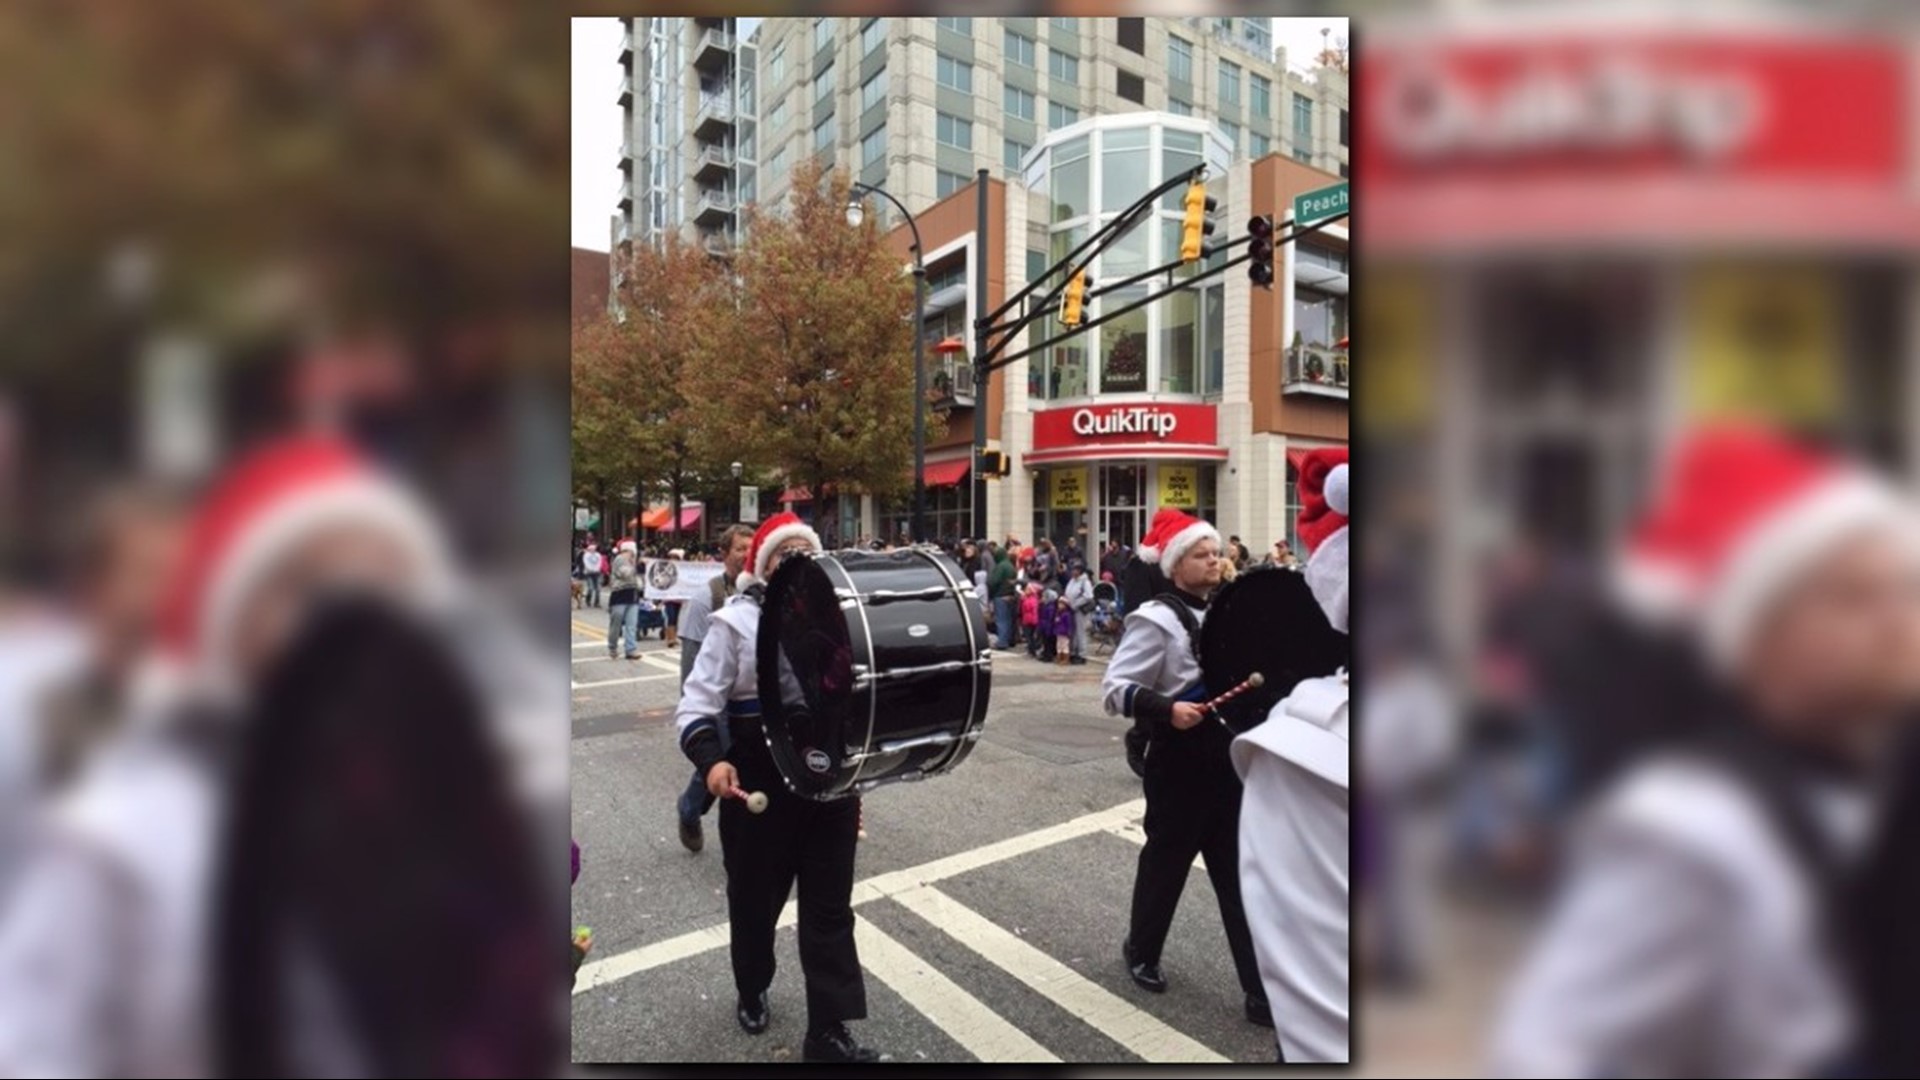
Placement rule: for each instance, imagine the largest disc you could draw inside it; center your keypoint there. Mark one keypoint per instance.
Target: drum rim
(872, 694)
(975, 721)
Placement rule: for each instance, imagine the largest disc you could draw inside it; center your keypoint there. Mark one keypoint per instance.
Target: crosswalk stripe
(985, 1034)
(1111, 1015)
(619, 682)
(634, 961)
(1132, 831)
(664, 665)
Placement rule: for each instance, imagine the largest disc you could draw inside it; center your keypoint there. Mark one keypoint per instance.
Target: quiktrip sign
(1138, 429)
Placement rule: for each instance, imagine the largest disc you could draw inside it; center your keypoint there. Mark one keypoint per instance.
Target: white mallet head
(756, 802)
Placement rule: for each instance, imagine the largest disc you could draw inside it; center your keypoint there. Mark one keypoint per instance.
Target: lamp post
(856, 213)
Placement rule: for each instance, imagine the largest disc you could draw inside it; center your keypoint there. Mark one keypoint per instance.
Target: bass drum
(1267, 621)
(874, 669)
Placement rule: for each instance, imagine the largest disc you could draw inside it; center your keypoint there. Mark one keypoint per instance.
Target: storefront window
(1214, 375)
(1127, 256)
(1125, 168)
(1180, 151)
(1066, 371)
(1123, 353)
(1072, 180)
(1179, 349)
(1318, 318)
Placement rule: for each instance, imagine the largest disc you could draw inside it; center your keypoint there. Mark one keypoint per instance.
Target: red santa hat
(1172, 534)
(773, 532)
(257, 515)
(1322, 524)
(1743, 512)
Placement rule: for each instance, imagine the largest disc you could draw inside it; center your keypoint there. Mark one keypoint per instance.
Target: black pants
(1193, 808)
(765, 854)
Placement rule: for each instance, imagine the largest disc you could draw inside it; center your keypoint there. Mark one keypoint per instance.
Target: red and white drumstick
(756, 801)
(1252, 682)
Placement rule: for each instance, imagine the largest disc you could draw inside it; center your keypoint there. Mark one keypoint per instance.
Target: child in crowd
(1062, 631)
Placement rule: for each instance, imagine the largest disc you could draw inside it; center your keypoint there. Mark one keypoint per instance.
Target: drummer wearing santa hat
(794, 839)
(1293, 818)
(1193, 796)
(1740, 902)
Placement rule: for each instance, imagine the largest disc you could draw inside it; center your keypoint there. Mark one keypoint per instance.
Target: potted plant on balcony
(1316, 368)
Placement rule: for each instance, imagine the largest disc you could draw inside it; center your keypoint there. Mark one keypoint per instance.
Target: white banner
(672, 579)
(749, 505)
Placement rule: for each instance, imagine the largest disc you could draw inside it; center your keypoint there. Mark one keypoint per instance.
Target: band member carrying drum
(1193, 794)
(794, 838)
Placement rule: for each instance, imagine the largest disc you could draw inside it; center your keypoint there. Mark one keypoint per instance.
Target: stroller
(1104, 623)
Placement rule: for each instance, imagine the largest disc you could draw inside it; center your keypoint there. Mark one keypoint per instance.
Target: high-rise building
(918, 105)
(689, 131)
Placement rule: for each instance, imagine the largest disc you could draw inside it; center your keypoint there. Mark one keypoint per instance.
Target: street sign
(749, 504)
(1320, 204)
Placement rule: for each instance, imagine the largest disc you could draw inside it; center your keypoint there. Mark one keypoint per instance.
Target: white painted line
(1134, 832)
(615, 968)
(966, 1020)
(1108, 1013)
(619, 682)
(663, 665)
(634, 961)
(589, 644)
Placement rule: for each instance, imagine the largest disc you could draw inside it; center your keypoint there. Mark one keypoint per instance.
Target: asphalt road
(991, 901)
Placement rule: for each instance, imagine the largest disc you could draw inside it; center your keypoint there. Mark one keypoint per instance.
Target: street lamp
(856, 214)
(739, 506)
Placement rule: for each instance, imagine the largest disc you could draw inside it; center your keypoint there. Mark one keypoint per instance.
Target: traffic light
(1070, 306)
(995, 463)
(1196, 228)
(1260, 247)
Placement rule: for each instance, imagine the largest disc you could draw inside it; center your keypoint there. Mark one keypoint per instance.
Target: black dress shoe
(1259, 1012)
(752, 1014)
(1146, 976)
(692, 836)
(835, 1044)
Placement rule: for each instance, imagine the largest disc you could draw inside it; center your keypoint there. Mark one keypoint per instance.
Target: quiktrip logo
(1134, 421)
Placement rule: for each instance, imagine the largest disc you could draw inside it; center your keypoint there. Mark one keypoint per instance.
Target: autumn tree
(819, 378)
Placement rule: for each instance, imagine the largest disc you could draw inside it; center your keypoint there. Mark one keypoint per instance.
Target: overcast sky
(596, 113)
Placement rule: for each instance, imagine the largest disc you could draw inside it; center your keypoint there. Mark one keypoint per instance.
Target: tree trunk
(673, 517)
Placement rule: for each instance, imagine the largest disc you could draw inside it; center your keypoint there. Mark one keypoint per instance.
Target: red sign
(1786, 108)
(1135, 428)
(1635, 139)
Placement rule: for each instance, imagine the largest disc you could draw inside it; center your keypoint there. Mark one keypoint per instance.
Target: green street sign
(1320, 204)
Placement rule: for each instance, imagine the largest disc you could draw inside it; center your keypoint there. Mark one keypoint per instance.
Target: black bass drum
(874, 669)
(1267, 621)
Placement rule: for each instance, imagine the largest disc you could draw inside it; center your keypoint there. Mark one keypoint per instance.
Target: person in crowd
(623, 602)
(591, 564)
(696, 800)
(1079, 597)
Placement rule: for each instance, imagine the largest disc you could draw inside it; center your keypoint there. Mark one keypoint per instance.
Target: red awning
(946, 473)
(795, 495)
(689, 518)
(656, 519)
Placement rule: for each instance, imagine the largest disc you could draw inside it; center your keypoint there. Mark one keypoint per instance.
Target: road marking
(1132, 831)
(619, 682)
(984, 1033)
(596, 632)
(664, 665)
(1104, 1011)
(590, 644)
(634, 961)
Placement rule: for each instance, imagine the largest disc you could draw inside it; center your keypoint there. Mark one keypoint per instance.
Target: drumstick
(756, 801)
(1252, 682)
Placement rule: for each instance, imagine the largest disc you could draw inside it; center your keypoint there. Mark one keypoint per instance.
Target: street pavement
(990, 902)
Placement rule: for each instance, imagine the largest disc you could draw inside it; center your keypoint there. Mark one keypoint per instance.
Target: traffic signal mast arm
(993, 361)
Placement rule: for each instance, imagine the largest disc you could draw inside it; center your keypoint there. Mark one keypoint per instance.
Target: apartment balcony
(626, 191)
(717, 243)
(626, 90)
(713, 50)
(713, 121)
(713, 165)
(951, 379)
(1316, 369)
(714, 208)
(714, 22)
(626, 41)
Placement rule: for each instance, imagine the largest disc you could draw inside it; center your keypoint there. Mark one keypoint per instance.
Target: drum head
(806, 675)
(1266, 621)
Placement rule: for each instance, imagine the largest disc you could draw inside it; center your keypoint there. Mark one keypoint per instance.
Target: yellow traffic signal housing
(1195, 228)
(1070, 306)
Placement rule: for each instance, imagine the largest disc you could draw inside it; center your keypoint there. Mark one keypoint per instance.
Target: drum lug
(903, 745)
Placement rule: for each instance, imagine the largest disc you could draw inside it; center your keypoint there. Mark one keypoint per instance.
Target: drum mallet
(1252, 682)
(756, 801)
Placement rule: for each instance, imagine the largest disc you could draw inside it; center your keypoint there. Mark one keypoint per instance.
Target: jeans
(623, 619)
(593, 590)
(1003, 619)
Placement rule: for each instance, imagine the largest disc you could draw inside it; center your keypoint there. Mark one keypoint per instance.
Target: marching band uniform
(795, 838)
(1193, 796)
(1294, 820)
